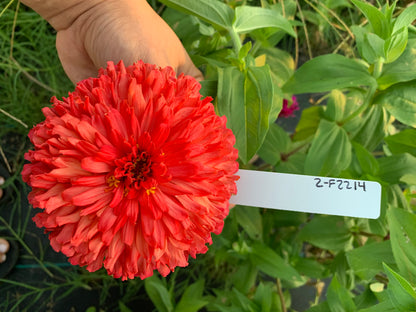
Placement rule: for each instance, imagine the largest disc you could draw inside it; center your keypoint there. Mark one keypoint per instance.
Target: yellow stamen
(112, 182)
(152, 190)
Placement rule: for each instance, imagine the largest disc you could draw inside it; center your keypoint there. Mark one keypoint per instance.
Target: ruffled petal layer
(132, 171)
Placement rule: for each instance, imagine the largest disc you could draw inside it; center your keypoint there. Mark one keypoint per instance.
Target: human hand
(90, 33)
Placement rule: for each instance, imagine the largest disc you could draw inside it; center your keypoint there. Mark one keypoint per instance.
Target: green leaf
(213, 12)
(269, 262)
(367, 161)
(401, 293)
(371, 130)
(248, 18)
(277, 141)
(330, 151)
(335, 109)
(231, 95)
(122, 307)
(401, 70)
(242, 54)
(308, 123)
(294, 164)
(251, 221)
(375, 17)
(282, 218)
(395, 196)
(340, 267)
(403, 241)
(158, 293)
(370, 46)
(366, 298)
(246, 100)
(354, 100)
(378, 226)
(322, 74)
(263, 297)
(385, 306)
(395, 45)
(242, 302)
(374, 47)
(245, 277)
(215, 59)
(282, 65)
(394, 168)
(405, 19)
(400, 101)
(339, 298)
(327, 232)
(309, 267)
(186, 27)
(402, 142)
(366, 261)
(192, 299)
(208, 87)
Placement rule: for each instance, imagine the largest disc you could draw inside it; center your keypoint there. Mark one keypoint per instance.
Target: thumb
(190, 69)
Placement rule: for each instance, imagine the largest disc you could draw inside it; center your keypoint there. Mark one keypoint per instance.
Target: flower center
(133, 169)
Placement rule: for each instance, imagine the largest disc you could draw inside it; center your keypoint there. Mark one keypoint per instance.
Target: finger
(74, 59)
(190, 69)
(194, 72)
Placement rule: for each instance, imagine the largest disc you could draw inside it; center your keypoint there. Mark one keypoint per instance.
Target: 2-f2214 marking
(340, 184)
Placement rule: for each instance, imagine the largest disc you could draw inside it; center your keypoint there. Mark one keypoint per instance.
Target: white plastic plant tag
(324, 195)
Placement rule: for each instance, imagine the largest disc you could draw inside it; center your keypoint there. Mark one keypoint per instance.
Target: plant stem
(5, 160)
(6, 7)
(362, 233)
(235, 38)
(305, 29)
(284, 157)
(281, 297)
(256, 47)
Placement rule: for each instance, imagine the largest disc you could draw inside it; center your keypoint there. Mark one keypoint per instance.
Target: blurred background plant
(351, 66)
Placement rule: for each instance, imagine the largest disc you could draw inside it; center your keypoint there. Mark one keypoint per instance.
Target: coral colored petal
(128, 233)
(96, 206)
(72, 218)
(92, 165)
(89, 196)
(107, 220)
(132, 171)
(62, 174)
(95, 180)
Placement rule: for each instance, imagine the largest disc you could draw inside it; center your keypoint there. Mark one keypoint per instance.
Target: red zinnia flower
(288, 111)
(133, 171)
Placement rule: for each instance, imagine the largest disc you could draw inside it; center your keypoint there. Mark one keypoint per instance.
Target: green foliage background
(357, 63)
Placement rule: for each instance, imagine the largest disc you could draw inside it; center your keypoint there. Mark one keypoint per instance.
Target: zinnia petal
(133, 171)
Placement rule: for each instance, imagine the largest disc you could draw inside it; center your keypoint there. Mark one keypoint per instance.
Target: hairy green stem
(235, 38)
(256, 46)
